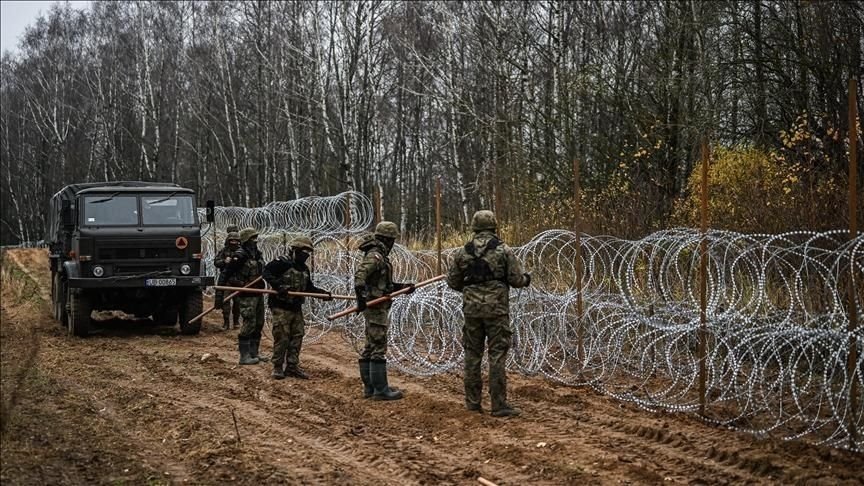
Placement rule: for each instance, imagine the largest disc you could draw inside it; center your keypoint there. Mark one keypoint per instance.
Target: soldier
(374, 278)
(484, 270)
(290, 273)
(246, 266)
(232, 244)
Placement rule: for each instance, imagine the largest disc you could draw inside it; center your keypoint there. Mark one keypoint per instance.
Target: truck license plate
(160, 282)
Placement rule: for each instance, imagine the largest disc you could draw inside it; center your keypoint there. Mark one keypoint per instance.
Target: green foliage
(754, 190)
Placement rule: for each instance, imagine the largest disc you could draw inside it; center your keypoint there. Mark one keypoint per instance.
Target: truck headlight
(98, 271)
(185, 269)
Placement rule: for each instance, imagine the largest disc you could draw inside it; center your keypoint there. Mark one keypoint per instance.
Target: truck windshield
(110, 210)
(168, 210)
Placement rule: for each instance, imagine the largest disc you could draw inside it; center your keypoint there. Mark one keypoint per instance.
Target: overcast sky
(15, 16)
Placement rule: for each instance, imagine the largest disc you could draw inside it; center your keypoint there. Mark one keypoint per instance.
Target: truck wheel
(191, 306)
(78, 318)
(58, 299)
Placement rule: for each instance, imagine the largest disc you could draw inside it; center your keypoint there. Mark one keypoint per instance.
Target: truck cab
(133, 247)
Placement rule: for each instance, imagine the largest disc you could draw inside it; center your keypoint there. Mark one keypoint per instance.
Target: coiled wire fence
(778, 355)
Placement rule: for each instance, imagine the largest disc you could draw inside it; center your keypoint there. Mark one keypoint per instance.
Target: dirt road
(141, 405)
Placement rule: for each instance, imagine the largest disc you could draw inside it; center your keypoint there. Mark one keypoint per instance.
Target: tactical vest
(380, 281)
(248, 271)
(486, 265)
(296, 280)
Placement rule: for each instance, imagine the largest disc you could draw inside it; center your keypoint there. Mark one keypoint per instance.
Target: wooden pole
(289, 293)
(236, 429)
(703, 280)
(226, 299)
(853, 234)
(438, 221)
(385, 298)
(577, 228)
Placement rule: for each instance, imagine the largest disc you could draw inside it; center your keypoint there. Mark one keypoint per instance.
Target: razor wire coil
(778, 343)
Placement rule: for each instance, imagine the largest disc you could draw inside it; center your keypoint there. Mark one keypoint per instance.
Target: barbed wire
(777, 343)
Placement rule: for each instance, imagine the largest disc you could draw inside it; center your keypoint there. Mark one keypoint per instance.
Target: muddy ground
(136, 404)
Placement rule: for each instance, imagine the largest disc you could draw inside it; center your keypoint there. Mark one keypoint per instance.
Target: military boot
(245, 356)
(278, 373)
(473, 407)
(378, 378)
(254, 343)
(506, 410)
(226, 321)
(498, 393)
(296, 372)
(473, 394)
(364, 375)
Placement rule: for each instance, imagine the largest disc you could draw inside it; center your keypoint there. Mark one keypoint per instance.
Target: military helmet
(232, 228)
(233, 236)
(247, 233)
(387, 229)
(302, 242)
(484, 220)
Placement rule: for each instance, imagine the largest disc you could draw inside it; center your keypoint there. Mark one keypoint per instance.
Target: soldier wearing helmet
(289, 273)
(374, 278)
(484, 270)
(246, 266)
(223, 258)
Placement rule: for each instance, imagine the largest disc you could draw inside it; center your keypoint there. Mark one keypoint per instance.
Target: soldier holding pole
(373, 279)
(289, 273)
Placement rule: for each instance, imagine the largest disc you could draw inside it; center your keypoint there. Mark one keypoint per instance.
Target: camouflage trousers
(376, 334)
(474, 337)
(226, 306)
(288, 331)
(252, 312)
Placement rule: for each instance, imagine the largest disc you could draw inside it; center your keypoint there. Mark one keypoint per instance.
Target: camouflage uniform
(374, 278)
(246, 267)
(289, 273)
(220, 262)
(484, 270)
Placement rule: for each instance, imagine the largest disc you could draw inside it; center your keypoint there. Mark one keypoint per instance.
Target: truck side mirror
(211, 211)
(66, 218)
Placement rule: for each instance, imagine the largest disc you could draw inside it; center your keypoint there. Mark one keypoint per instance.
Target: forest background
(258, 101)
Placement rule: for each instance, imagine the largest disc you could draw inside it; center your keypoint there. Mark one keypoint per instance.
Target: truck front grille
(137, 269)
(108, 254)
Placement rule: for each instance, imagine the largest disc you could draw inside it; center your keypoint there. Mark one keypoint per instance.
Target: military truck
(133, 247)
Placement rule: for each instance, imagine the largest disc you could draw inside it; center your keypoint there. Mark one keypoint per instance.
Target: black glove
(402, 286)
(316, 290)
(527, 278)
(361, 298)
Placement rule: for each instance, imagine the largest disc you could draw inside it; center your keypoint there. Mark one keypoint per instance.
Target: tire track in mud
(314, 428)
(690, 449)
(306, 431)
(165, 404)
